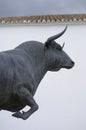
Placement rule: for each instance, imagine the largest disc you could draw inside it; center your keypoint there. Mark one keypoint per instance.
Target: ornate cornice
(41, 19)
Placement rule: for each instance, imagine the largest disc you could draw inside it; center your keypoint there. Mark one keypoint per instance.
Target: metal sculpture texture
(22, 69)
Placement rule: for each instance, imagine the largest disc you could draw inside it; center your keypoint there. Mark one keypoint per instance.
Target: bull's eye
(56, 46)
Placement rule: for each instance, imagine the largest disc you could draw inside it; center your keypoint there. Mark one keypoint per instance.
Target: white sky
(61, 96)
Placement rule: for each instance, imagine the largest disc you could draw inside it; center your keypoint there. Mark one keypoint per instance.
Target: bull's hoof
(17, 114)
(23, 115)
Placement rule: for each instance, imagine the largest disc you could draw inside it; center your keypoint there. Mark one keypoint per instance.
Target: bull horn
(56, 36)
(63, 45)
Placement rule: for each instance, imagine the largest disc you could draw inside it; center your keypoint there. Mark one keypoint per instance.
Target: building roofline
(43, 19)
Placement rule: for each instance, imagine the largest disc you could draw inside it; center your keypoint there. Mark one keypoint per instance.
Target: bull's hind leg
(27, 98)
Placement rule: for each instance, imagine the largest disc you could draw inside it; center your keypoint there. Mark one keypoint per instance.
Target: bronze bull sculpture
(22, 69)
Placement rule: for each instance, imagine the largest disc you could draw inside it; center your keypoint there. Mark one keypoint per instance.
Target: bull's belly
(12, 105)
(12, 108)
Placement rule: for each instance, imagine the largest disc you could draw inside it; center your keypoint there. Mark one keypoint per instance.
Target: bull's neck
(39, 72)
(39, 67)
(35, 51)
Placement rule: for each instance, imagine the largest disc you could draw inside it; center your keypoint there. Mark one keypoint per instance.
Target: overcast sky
(40, 7)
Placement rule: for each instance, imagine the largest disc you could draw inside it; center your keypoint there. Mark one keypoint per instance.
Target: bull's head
(56, 57)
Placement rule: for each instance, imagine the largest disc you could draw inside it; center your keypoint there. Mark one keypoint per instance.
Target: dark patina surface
(22, 69)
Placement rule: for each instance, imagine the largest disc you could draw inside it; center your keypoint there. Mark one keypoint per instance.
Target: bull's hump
(30, 44)
(33, 49)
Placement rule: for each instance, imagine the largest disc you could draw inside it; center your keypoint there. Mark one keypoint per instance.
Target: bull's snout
(71, 65)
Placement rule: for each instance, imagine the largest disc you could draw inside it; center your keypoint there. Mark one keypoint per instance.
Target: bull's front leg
(26, 96)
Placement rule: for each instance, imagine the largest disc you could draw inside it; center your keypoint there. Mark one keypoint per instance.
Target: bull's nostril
(72, 62)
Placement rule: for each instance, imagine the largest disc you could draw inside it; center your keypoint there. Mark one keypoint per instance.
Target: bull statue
(22, 69)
